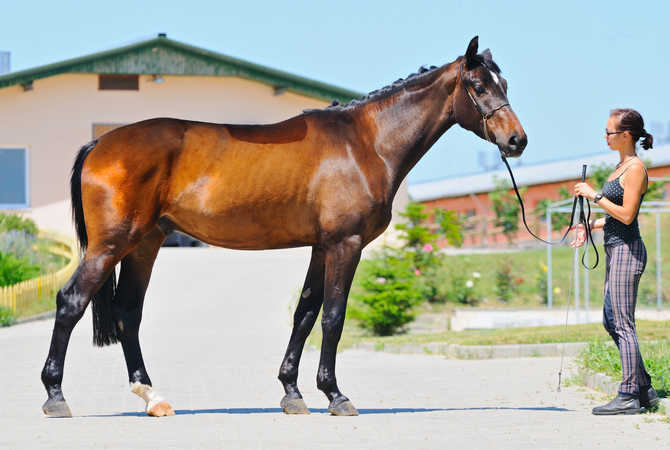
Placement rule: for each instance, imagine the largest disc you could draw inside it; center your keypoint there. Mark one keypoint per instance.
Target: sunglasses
(609, 133)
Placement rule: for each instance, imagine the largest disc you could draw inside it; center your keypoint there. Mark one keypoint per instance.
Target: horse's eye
(479, 89)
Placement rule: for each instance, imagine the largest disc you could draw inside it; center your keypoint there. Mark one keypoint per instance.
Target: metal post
(587, 293)
(550, 290)
(659, 292)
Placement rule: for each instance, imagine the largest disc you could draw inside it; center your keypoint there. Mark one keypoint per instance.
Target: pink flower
(428, 248)
(417, 271)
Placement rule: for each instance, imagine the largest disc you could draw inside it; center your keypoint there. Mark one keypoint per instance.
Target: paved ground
(215, 328)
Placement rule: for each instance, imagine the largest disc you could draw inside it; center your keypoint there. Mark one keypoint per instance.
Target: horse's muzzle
(514, 146)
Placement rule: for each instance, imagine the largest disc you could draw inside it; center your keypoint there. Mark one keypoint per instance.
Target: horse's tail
(104, 325)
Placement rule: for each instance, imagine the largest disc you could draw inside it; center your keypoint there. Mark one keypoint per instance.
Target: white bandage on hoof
(156, 405)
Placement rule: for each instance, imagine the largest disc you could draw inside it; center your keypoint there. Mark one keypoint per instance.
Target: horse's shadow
(364, 411)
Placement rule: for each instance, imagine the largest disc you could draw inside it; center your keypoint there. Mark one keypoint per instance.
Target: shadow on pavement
(185, 412)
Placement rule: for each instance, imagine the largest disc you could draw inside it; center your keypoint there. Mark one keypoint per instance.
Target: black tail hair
(104, 325)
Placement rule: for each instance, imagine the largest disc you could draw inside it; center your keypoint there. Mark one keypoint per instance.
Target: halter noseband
(485, 117)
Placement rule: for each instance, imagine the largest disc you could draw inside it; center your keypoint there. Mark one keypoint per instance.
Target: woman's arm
(635, 184)
(580, 236)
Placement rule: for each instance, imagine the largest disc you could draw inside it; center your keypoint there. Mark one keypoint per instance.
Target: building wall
(467, 205)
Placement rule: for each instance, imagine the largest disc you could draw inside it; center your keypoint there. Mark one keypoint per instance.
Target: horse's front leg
(341, 261)
(304, 319)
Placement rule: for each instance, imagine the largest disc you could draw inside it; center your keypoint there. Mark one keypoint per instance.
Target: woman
(626, 256)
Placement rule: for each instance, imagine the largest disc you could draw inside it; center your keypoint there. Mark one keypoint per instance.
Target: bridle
(487, 116)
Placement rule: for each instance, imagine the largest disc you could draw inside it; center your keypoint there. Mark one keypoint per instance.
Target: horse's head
(481, 104)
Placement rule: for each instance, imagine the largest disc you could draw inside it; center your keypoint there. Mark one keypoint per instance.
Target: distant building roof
(551, 172)
(163, 56)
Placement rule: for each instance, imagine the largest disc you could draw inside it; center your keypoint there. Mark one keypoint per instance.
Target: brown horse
(324, 179)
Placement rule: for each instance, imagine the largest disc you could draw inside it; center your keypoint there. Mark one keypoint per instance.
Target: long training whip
(582, 219)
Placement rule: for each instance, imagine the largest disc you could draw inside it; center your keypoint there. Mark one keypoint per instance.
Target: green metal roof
(163, 56)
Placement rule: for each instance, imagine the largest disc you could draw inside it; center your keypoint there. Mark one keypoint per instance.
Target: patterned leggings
(624, 266)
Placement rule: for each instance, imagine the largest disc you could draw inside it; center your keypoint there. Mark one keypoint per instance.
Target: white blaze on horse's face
(495, 77)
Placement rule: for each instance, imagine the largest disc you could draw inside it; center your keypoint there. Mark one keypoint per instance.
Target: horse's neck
(409, 122)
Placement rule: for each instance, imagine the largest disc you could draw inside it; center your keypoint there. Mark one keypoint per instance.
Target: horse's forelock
(487, 62)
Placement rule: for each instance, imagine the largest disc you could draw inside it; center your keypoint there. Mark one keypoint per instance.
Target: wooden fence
(22, 294)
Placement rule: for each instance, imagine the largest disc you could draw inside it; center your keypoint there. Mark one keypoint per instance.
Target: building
(48, 113)
(469, 195)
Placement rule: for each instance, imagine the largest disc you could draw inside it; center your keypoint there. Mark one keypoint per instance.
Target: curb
(36, 317)
(476, 351)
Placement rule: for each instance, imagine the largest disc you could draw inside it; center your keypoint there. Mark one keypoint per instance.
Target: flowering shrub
(507, 282)
(463, 287)
(541, 282)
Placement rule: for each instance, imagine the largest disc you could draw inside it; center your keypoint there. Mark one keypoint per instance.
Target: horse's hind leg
(303, 322)
(71, 302)
(128, 302)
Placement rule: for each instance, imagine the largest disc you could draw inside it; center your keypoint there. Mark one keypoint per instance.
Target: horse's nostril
(512, 141)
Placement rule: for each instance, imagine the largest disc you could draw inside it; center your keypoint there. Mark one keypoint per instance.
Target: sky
(567, 63)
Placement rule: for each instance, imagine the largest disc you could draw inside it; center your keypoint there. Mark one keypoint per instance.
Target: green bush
(9, 222)
(7, 317)
(389, 291)
(13, 270)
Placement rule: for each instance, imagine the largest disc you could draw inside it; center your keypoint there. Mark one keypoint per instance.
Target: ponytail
(647, 140)
(631, 121)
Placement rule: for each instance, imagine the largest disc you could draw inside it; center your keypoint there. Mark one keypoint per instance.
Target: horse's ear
(487, 55)
(472, 51)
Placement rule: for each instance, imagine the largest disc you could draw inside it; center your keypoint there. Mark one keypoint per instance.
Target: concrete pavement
(215, 328)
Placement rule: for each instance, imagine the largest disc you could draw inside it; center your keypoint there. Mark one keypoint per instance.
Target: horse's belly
(248, 228)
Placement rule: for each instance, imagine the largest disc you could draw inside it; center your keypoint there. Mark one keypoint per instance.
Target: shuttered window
(13, 178)
(119, 82)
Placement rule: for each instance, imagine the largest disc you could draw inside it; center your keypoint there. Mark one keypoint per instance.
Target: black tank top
(616, 232)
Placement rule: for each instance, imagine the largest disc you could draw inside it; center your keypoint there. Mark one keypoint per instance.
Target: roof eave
(243, 69)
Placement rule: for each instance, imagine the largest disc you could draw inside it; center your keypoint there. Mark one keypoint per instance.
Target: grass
(40, 306)
(598, 357)
(352, 335)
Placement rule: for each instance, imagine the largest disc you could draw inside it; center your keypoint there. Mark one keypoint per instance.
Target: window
(13, 178)
(101, 128)
(119, 82)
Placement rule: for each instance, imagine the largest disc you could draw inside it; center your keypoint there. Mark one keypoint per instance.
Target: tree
(506, 207)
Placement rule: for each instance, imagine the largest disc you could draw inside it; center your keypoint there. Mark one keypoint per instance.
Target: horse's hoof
(346, 408)
(294, 405)
(161, 409)
(57, 408)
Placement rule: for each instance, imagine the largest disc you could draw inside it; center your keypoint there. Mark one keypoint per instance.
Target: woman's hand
(585, 191)
(580, 235)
